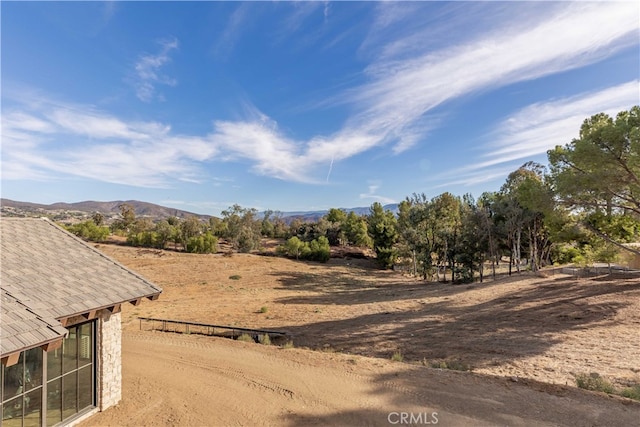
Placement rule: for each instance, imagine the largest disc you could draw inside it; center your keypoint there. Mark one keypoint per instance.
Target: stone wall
(109, 359)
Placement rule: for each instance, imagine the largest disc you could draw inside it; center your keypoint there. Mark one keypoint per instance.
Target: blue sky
(299, 105)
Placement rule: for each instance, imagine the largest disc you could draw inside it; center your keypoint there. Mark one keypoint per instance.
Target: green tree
(294, 247)
(382, 229)
(354, 229)
(165, 232)
(598, 174)
(242, 228)
(189, 228)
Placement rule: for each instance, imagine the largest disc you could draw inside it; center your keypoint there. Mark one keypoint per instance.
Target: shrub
(397, 356)
(631, 392)
(246, 338)
(88, 230)
(146, 239)
(288, 344)
(264, 339)
(203, 244)
(594, 382)
(264, 309)
(235, 277)
(315, 250)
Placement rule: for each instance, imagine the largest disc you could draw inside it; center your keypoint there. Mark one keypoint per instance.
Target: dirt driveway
(189, 380)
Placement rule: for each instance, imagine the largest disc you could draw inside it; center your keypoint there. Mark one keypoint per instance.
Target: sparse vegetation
(264, 309)
(235, 277)
(264, 339)
(315, 250)
(88, 230)
(246, 338)
(454, 365)
(397, 356)
(631, 392)
(288, 344)
(594, 382)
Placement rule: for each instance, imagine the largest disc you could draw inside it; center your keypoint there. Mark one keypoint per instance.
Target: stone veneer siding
(109, 359)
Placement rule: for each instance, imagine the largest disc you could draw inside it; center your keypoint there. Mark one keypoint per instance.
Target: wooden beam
(52, 345)
(136, 302)
(64, 322)
(154, 297)
(10, 359)
(115, 309)
(91, 314)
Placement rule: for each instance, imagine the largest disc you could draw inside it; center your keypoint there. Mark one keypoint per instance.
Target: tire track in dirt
(236, 374)
(309, 396)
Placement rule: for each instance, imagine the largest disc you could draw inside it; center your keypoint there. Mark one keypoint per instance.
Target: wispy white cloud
(371, 195)
(227, 40)
(392, 107)
(148, 74)
(538, 128)
(53, 139)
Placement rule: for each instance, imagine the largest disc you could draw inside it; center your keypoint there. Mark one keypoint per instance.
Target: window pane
(54, 363)
(69, 395)
(86, 344)
(12, 413)
(54, 402)
(13, 379)
(85, 387)
(33, 368)
(70, 351)
(32, 405)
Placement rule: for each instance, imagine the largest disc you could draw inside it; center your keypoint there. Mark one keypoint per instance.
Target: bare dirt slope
(190, 380)
(522, 328)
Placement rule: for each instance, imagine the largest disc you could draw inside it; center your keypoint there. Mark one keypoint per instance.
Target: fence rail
(188, 327)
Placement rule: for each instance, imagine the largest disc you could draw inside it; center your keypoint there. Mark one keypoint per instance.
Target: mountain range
(152, 210)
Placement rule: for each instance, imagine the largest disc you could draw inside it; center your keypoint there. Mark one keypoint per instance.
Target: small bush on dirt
(631, 392)
(288, 344)
(264, 339)
(203, 244)
(235, 277)
(594, 382)
(88, 230)
(246, 338)
(315, 250)
(453, 365)
(264, 309)
(397, 356)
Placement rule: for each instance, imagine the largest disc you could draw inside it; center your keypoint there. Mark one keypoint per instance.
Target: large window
(69, 385)
(22, 391)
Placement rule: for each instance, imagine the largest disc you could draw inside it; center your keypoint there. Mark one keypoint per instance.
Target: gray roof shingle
(48, 274)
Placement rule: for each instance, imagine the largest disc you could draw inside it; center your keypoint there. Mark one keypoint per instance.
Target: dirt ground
(526, 336)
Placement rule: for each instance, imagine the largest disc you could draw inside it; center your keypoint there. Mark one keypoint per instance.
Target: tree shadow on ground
(346, 288)
(511, 326)
(447, 398)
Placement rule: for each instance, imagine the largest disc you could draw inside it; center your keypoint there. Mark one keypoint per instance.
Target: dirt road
(189, 380)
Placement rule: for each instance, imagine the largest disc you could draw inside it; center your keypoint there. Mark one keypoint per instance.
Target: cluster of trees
(584, 208)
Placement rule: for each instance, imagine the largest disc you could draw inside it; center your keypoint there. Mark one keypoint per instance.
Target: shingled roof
(49, 275)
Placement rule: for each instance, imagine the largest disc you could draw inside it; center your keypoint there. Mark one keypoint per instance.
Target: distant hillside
(145, 209)
(109, 208)
(313, 216)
